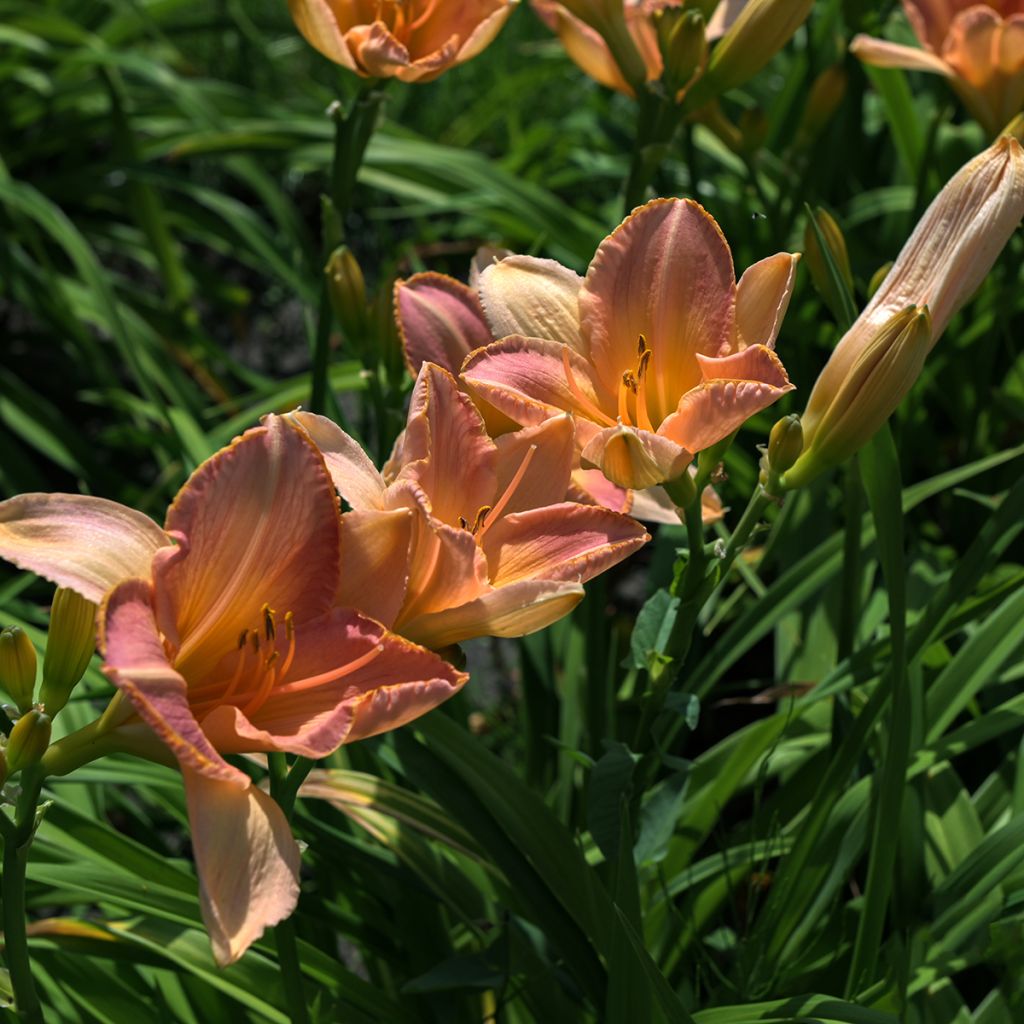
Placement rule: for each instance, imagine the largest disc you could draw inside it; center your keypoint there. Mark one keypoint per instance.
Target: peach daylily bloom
(658, 353)
(941, 266)
(222, 635)
(441, 320)
(412, 40)
(977, 45)
(462, 536)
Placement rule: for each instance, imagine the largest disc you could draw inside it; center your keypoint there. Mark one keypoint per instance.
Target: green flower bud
(69, 647)
(684, 50)
(785, 443)
(28, 740)
(346, 288)
(17, 666)
(818, 265)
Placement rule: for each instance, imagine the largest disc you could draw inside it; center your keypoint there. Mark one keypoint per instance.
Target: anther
(269, 626)
(482, 513)
(242, 637)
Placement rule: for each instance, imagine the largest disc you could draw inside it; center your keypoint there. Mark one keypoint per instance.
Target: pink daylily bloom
(441, 320)
(412, 40)
(465, 536)
(223, 636)
(658, 352)
(977, 45)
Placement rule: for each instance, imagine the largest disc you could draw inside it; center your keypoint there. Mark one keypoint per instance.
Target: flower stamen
(577, 393)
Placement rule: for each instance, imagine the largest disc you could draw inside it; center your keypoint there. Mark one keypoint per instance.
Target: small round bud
(28, 740)
(785, 443)
(17, 666)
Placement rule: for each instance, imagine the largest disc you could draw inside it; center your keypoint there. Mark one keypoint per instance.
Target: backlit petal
(532, 297)
(665, 273)
(316, 21)
(354, 475)
(259, 523)
(440, 321)
(375, 562)
(560, 542)
(762, 298)
(247, 861)
(636, 459)
(86, 544)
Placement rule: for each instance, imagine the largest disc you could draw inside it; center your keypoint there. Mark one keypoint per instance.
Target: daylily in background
(441, 320)
(942, 264)
(658, 353)
(222, 634)
(977, 46)
(412, 40)
(461, 535)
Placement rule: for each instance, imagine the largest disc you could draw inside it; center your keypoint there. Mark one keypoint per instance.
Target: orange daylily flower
(978, 45)
(658, 352)
(222, 634)
(412, 40)
(465, 536)
(940, 267)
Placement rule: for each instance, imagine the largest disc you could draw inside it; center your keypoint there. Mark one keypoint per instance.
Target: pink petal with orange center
(665, 273)
(247, 861)
(636, 459)
(525, 378)
(440, 320)
(446, 450)
(259, 525)
(560, 542)
(532, 297)
(375, 549)
(762, 298)
(347, 672)
(86, 544)
(545, 455)
(513, 610)
(355, 477)
(136, 663)
(883, 54)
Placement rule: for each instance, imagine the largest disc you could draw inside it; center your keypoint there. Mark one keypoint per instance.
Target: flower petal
(525, 379)
(355, 477)
(375, 551)
(762, 298)
(440, 320)
(532, 297)
(350, 678)
(665, 273)
(247, 861)
(512, 610)
(445, 450)
(551, 450)
(592, 487)
(883, 54)
(584, 45)
(86, 544)
(316, 21)
(135, 662)
(484, 32)
(636, 459)
(378, 54)
(560, 542)
(258, 525)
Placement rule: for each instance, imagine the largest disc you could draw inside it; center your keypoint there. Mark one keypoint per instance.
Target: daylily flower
(413, 40)
(658, 353)
(977, 45)
(942, 264)
(441, 320)
(461, 535)
(223, 636)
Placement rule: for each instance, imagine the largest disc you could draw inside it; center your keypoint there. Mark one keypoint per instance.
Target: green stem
(849, 597)
(657, 120)
(759, 501)
(284, 786)
(17, 837)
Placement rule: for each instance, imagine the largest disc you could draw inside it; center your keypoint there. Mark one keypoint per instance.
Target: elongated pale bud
(69, 646)
(837, 424)
(346, 288)
(18, 666)
(684, 50)
(28, 740)
(760, 31)
(817, 263)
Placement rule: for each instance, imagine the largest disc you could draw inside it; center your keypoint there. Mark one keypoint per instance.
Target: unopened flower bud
(346, 288)
(69, 646)
(28, 740)
(17, 666)
(684, 50)
(818, 264)
(878, 277)
(785, 443)
(827, 92)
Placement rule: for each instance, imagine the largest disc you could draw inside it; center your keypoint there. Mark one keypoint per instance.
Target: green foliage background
(161, 163)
